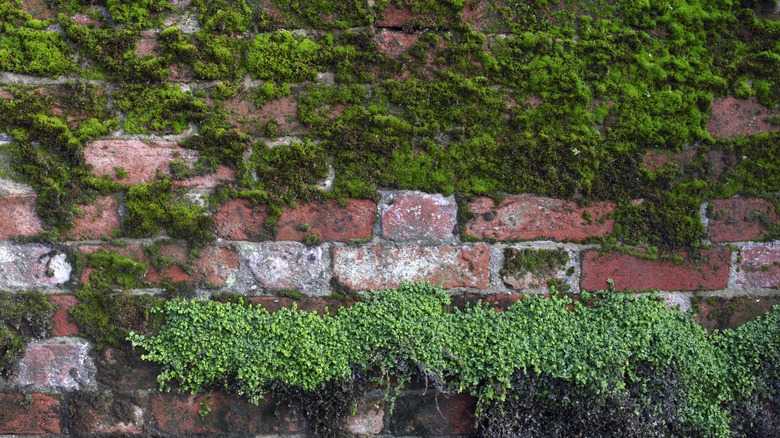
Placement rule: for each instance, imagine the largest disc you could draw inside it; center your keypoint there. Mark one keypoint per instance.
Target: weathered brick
(368, 419)
(32, 265)
(432, 415)
(527, 218)
(62, 322)
(387, 267)
(17, 417)
(328, 220)
(631, 272)
(719, 313)
(499, 303)
(394, 44)
(291, 265)
(732, 117)
(18, 217)
(544, 271)
(142, 161)
(734, 220)
(238, 220)
(759, 266)
(146, 44)
(125, 370)
(419, 216)
(177, 415)
(306, 304)
(216, 265)
(100, 219)
(94, 413)
(56, 364)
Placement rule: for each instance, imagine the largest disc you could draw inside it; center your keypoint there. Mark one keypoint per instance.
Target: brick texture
(735, 220)
(290, 265)
(32, 265)
(419, 216)
(62, 322)
(630, 272)
(759, 266)
(328, 220)
(56, 365)
(379, 267)
(528, 218)
(39, 417)
(732, 117)
(18, 217)
(238, 220)
(98, 221)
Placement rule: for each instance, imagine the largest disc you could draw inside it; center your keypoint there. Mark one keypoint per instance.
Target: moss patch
(23, 316)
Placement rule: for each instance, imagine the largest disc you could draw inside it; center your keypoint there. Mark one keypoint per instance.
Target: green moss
(114, 51)
(141, 14)
(23, 315)
(165, 109)
(280, 56)
(155, 206)
(292, 294)
(289, 172)
(541, 263)
(35, 52)
(312, 240)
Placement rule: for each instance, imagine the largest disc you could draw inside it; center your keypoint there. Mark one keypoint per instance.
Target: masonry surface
(249, 153)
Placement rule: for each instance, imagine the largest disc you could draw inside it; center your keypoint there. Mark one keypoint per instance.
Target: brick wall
(467, 244)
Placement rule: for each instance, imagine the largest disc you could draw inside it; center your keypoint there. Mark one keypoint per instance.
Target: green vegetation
(23, 315)
(155, 206)
(165, 109)
(540, 263)
(657, 365)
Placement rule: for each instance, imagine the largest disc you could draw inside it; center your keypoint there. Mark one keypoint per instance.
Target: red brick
(18, 217)
(99, 219)
(211, 180)
(394, 44)
(62, 323)
(328, 220)
(306, 304)
(32, 265)
(528, 218)
(654, 160)
(56, 365)
(238, 220)
(125, 370)
(387, 267)
(368, 419)
(177, 415)
(419, 216)
(634, 273)
(42, 416)
(759, 266)
(146, 44)
(142, 161)
(215, 265)
(732, 117)
(432, 415)
(734, 220)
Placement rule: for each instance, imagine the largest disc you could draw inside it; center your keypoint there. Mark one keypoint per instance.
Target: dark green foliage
(537, 368)
(23, 315)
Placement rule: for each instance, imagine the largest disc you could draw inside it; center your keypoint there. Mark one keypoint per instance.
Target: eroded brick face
(18, 217)
(734, 220)
(529, 218)
(387, 267)
(759, 266)
(629, 272)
